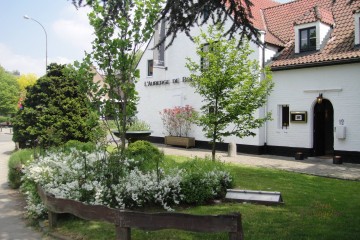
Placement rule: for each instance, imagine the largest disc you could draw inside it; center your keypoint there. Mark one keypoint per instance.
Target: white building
(313, 49)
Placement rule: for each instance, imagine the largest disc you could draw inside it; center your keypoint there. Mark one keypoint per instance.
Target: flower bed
(103, 179)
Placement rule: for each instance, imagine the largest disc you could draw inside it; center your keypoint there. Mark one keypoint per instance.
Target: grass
(315, 208)
(17, 159)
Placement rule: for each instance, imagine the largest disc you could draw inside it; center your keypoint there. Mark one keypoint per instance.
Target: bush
(139, 125)
(85, 147)
(89, 177)
(55, 112)
(4, 119)
(204, 180)
(101, 178)
(147, 156)
(16, 163)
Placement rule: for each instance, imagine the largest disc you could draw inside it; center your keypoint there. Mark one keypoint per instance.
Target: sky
(22, 41)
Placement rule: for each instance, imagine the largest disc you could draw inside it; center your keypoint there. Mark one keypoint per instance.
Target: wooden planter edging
(125, 220)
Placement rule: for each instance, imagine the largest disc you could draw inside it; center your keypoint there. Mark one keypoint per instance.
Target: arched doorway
(323, 128)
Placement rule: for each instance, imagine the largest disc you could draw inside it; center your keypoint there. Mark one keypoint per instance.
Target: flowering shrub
(99, 178)
(85, 177)
(207, 178)
(178, 120)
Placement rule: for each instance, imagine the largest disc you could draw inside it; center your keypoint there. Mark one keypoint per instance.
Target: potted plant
(136, 130)
(177, 123)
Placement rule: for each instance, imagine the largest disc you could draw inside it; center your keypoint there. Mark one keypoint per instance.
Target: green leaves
(231, 85)
(55, 111)
(9, 93)
(116, 51)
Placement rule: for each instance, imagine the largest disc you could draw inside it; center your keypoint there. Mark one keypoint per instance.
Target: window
(357, 28)
(358, 33)
(308, 39)
(205, 13)
(204, 63)
(283, 116)
(150, 67)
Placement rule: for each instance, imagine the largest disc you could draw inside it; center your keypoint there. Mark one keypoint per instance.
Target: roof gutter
(316, 64)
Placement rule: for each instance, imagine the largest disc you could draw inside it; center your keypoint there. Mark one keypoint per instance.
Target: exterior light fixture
(319, 99)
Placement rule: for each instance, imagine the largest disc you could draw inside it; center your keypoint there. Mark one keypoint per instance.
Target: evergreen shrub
(55, 111)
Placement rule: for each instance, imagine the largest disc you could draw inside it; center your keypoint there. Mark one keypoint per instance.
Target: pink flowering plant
(178, 120)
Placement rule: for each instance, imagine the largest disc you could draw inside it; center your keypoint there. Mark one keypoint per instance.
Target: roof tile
(340, 46)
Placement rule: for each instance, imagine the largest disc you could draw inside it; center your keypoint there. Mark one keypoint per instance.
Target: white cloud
(74, 28)
(25, 64)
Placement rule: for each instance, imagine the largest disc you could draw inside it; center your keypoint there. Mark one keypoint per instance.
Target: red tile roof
(316, 14)
(256, 15)
(340, 45)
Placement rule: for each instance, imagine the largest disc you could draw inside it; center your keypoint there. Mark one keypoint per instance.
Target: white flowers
(95, 178)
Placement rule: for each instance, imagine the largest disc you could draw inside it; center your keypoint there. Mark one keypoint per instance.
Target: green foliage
(9, 92)
(82, 146)
(139, 125)
(116, 49)
(16, 162)
(233, 87)
(332, 213)
(147, 156)
(4, 119)
(201, 183)
(55, 112)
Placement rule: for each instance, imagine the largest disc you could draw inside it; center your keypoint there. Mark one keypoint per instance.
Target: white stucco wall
(299, 88)
(154, 99)
(270, 52)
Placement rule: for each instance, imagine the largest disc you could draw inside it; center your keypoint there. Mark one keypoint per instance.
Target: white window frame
(322, 34)
(150, 74)
(308, 39)
(280, 121)
(357, 28)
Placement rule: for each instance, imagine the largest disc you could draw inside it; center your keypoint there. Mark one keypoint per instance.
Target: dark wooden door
(323, 128)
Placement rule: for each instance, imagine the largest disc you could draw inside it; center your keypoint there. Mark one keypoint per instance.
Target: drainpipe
(263, 48)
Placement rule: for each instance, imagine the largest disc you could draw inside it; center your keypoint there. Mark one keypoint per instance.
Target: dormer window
(313, 29)
(307, 39)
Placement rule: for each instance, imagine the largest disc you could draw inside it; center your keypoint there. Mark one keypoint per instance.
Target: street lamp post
(29, 18)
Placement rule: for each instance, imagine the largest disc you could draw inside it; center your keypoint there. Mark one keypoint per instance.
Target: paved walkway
(312, 165)
(12, 225)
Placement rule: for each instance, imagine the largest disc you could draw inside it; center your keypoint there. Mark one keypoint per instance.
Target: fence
(125, 220)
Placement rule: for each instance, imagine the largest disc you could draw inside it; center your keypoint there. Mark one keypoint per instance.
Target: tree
(182, 15)
(116, 51)
(55, 111)
(24, 81)
(9, 92)
(232, 86)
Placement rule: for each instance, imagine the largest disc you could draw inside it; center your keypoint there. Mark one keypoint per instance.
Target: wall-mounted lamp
(319, 99)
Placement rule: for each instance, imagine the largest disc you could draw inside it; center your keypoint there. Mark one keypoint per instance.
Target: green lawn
(315, 208)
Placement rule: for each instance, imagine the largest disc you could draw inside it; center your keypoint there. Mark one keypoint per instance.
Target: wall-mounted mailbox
(298, 117)
(340, 132)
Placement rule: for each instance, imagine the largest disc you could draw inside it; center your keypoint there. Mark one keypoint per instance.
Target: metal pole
(29, 18)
